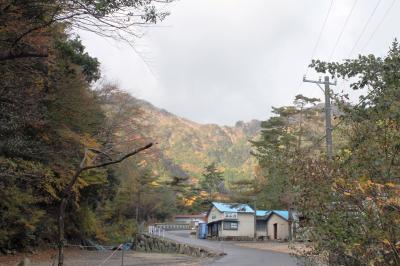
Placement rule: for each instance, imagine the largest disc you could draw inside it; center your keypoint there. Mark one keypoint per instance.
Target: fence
(102, 255)
(173, 226)
(156, 231)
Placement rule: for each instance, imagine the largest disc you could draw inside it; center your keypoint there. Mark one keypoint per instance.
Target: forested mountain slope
(186, 147)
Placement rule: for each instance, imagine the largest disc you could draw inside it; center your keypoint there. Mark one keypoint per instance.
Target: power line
(364, 28)
(343, 28)
(321, 32)
(362, 101)
(318, 39)
(379, 24)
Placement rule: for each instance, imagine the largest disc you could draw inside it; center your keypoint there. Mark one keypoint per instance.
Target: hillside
(186, 147)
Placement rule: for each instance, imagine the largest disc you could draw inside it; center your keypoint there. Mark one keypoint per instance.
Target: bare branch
(98, 152)
(82, 164)
(67, 193)
(22, 54)
(119, 159)
(68, 189)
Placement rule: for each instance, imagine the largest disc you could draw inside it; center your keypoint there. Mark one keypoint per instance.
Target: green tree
(284, 137)
(212, 180)
(351, 204)
(49, 113)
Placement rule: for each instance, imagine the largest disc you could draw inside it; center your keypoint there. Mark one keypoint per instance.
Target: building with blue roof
(240, 221)
(272, 224)
(231, 221)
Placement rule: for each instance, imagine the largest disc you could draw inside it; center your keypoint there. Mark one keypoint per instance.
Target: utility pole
(328, 110)
(255, 218)
(290, 221)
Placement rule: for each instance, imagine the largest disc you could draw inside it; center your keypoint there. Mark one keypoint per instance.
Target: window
(230, 225)
(261, 226)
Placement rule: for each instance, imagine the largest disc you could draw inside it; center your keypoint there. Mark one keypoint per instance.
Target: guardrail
(156, 231)
(173, 226)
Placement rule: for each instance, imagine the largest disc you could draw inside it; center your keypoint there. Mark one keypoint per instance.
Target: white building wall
(283, 227)
(245, 226)
(214, 215)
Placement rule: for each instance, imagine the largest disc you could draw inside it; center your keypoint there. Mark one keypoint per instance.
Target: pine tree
(212, 180)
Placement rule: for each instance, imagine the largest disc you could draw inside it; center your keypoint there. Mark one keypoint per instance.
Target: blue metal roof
(262, 212)
(283, 214)
(233, 207)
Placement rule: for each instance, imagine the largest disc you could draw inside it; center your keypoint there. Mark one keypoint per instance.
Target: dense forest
(60, 119)
(55, 116)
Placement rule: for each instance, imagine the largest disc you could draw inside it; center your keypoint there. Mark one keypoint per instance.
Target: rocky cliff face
(186, 147)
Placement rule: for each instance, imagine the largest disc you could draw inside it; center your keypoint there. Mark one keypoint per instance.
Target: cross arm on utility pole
(328, 122)
(319, 81)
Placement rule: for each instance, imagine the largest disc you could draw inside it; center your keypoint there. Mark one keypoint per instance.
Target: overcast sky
(220, 61)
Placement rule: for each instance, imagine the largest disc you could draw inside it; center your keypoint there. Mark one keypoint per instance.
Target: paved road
(235, 255)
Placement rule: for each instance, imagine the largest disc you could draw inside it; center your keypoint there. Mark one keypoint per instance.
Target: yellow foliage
(154, 184)
(85, 139)
(393, 201)
(390, 184)
(68, 134)
(189, 201)
(203, 194)
(360, 187)
(89, 141)
(51, 190)
(142, 163)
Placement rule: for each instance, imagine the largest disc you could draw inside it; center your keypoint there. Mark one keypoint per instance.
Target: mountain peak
(251, 127)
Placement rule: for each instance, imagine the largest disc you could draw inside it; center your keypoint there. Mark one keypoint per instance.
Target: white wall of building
(283, 227)
(214, 215)
(245, 226)
(245, 223)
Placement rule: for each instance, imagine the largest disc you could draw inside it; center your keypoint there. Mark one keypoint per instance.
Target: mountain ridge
(144, 104)
(186, 147)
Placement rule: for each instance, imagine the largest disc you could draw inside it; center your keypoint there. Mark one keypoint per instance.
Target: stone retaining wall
(149, 243)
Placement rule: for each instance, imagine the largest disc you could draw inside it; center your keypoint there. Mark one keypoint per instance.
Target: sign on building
(230, 215)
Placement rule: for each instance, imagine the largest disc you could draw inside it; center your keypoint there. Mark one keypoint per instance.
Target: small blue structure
(202, 233)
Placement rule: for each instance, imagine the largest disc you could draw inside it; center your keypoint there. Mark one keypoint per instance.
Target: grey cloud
(219, 61)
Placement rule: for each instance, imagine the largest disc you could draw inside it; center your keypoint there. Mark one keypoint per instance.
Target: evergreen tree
(212, 180)
(351, 204)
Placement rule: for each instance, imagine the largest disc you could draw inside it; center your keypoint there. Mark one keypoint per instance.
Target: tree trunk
(138, 199)
(61, 217)
(68, 190)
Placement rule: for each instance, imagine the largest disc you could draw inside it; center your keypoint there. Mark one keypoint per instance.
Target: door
(275, 231)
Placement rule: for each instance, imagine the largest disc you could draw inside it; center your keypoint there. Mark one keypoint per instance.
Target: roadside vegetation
(350, 205)
(55, 118)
